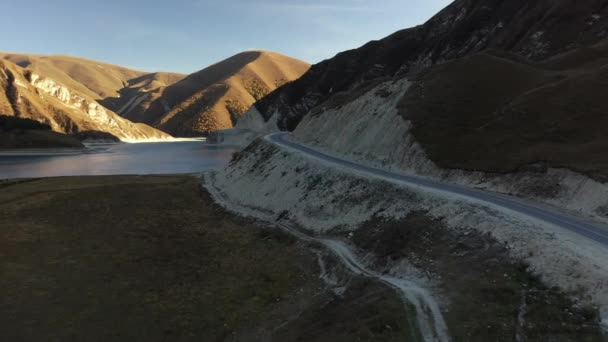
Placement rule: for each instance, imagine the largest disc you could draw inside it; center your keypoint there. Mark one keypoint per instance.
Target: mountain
(210, 99)
(49, 90)
(554, 112)
(534, 29)
(489, 85)
(139, 93)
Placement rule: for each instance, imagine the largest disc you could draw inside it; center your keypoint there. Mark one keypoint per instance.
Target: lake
(121, 159)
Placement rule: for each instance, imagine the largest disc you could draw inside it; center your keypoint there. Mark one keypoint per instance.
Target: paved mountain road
(591, 230)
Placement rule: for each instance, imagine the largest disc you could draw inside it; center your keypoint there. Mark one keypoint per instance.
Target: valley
(447, 182)
(124, 275)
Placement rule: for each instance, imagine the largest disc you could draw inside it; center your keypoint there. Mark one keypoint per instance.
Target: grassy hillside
(495, 112)
(215, 97)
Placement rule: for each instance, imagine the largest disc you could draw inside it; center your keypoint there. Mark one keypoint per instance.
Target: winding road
(509, 204)
(429, 319)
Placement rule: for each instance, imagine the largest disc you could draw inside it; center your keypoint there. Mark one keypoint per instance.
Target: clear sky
(188, 35)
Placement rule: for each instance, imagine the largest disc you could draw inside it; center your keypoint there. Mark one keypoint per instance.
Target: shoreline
(89, 147)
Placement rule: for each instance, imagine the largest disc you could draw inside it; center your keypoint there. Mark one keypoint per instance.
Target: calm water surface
(121, 159)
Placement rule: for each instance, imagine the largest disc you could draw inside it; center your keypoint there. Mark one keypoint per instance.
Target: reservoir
(180, 157)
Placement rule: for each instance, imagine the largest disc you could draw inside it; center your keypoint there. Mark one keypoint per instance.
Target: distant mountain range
(64, 92)
(74, 95)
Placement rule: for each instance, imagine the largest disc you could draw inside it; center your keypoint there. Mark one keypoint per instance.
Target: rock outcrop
(32, 95)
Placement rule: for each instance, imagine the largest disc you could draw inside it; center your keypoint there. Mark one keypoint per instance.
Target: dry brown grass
(200, 103)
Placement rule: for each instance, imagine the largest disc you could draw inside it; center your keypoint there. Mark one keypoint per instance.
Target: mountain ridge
(535, 30)
(187, 105)
(28, 93)
(215, 97)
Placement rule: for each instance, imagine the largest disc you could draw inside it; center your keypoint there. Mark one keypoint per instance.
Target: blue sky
(188, 35)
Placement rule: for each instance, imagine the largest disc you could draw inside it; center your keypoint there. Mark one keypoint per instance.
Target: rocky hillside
(38, 89)
(497, 85)
(534, 29)
(215, 97)
(95, 79)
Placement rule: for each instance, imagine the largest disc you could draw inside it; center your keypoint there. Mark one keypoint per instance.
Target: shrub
(11, 123)
(257, 89)
(236, 110)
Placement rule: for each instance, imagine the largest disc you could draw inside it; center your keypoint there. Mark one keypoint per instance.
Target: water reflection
(121, 159)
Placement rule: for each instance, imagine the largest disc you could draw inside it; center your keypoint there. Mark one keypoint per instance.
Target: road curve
(591, 230)
(429, 318)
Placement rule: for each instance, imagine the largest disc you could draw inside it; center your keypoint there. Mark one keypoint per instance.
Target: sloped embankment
(472, 259)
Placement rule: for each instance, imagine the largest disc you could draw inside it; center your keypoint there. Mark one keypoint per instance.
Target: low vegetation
(281, 82)
(27, 133)
(154, 259)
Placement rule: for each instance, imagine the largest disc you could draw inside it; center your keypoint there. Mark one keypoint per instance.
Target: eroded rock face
(65, 110)
(534, 29)
(103, 120)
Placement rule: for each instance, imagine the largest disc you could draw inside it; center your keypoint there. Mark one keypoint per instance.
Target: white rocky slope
(370, 131)
(282, 183)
